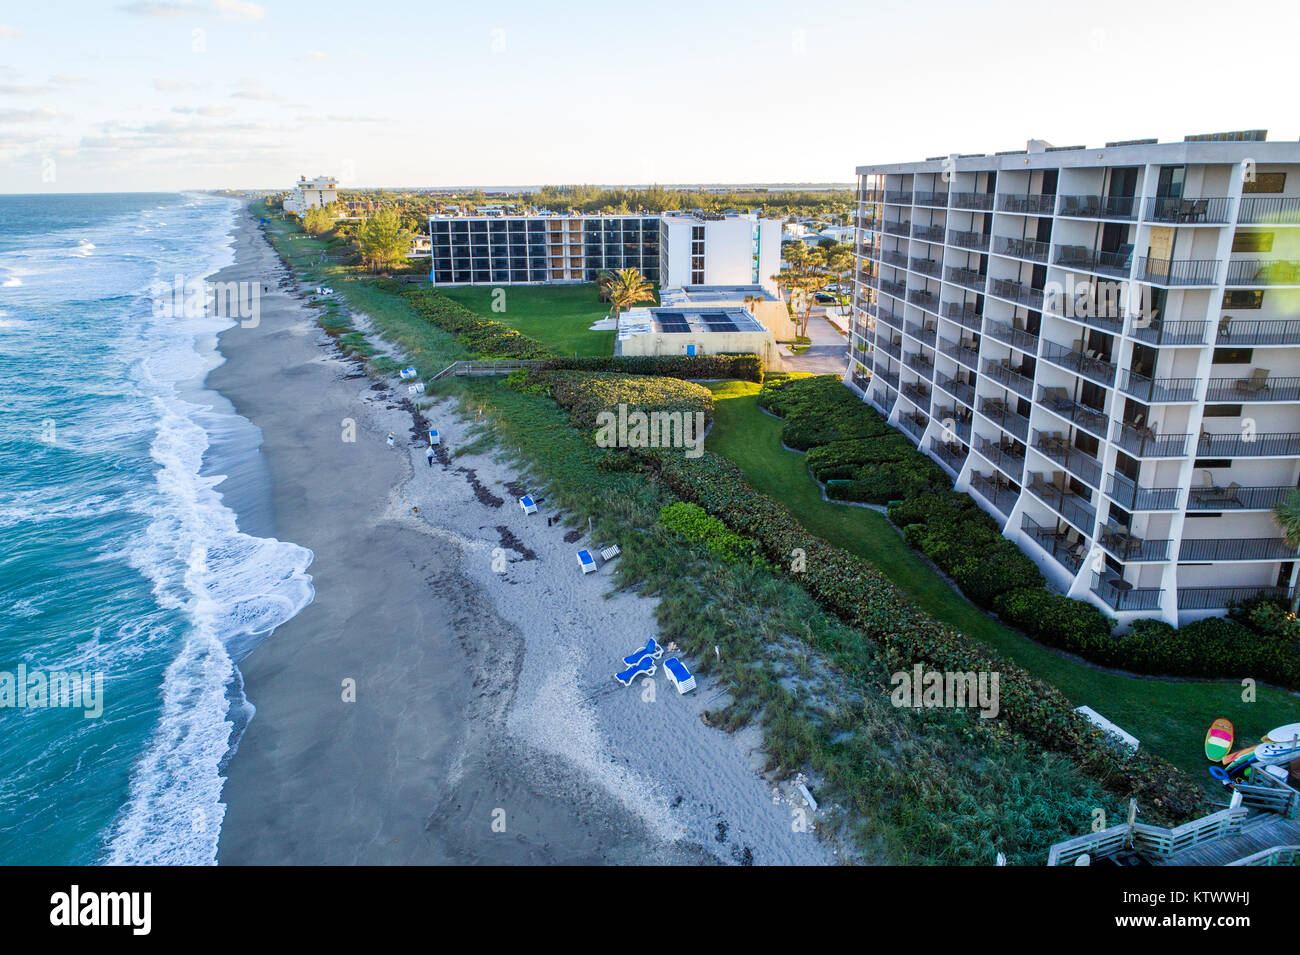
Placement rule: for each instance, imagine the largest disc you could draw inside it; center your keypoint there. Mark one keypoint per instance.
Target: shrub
(1072, 625)
(585, 395)
(490, 339)
(698, 367)
(700, 527)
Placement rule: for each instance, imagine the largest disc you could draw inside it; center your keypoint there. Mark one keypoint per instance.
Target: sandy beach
(487, 727)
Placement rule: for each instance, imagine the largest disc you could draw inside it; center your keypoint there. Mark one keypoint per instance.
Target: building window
(1265, 182)
(1232, 356)
(1243, 298)
(1252, 242)
(1212, 463)
(1223, 411)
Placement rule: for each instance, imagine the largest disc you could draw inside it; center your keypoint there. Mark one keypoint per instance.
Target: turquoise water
(132, 531)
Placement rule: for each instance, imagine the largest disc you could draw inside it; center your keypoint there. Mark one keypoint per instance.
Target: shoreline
(487, 728)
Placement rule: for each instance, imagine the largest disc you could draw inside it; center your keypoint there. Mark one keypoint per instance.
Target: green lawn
(557, 315)
(1170, 718)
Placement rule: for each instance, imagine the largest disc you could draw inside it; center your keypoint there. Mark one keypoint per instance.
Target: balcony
(928, 233)
(889, 287)
(1235, 548)
(931, 199)
(1216, 598)
(1017, 292)
(1260, 273)
(1021, 248)
(1102, 311)
(894, 347)
(975, 201)
(1089, 366)
(1074, 508)
(1027, 205)
(1170, 333)
(888, 377)
(951, 453)
(1132, 497)
(967, 278)
(1015, 337)
(977, 241)
(903, 228)
(1275, 332)
(895, 258)
(1236, 498)
(1059, 402)
(999, 493)
(879, 398)
(1159, 390)
(923, 299)
(962, 390)
(898, 198)
(1258, 387)
(918, 392)
(1004, 373)
(924, 266)
(1099, 207)
(966, 352)
(920, 363)
(869, 223)
(1054, 445)
(1178, 272)
(1120, 595)
(1269, 210)
(1068, 546)
(1001, 414)
(1237, 445)
(1008, 455)
(1214, 210)
(965, 315)
(889, 317)
(1131, 549)
(1143, 442)
(924, 333)
(1115, 264)
(914, 423)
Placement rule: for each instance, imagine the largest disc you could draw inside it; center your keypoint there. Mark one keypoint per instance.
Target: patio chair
(1225, 327)
(1256, 383)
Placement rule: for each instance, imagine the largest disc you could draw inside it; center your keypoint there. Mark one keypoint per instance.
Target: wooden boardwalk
(1257, 834)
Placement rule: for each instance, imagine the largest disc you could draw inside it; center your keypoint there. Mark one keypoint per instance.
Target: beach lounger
(678, 675)
(610, 552)
(415, 389)
(407, 373)
(651, 649)
(528, 504)
(587, 562)
(645, 665)
(434, 438)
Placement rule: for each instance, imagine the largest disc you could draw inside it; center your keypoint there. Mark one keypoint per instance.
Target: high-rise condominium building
(1103, 347)
(673, 249)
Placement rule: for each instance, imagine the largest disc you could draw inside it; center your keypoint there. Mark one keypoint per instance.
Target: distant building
(696, 330)
(312, 194)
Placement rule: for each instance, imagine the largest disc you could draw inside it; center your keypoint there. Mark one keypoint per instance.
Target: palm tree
(1287, 515)
(624, 289)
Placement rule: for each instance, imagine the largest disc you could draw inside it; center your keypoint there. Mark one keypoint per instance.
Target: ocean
(134, 532)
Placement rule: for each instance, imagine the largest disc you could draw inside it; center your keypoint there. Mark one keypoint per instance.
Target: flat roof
(712, 294)
(687, 320)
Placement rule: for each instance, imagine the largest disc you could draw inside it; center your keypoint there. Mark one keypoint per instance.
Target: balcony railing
(924, 333)
(889, 287)
(1017, 292)
(894, 348)
(888, 377)
(1099, 207)
(1069, 550)
(967, 278)
(903, 227)
(1216, 209)
(889, 317)
(1021, 248)
(1001, 495)
(923, 299)
(930, 198)
(913, 422)
(951, 453)
(1094, 369)
(1178, 271)
(928, 233)
(1082, 465)
(977, 201)
(1270, 210)
(1278, 445)
(1132, 497)
(1170, 333)
(1000, 413)
(1091, 310)
(954, 423)
(1258, 273)
(1119, 595)
(1011, 377)
(1009, 456)
(966, 315)
(1108, 263)
(1074, 508)
(918, 392)
(1235, 498)
(1215, 598)
(1284, 331)
(1027, 205)
(1159, 390)
(958, 389)
(1145, 443)
(1015, 337)
(978, 241)
(1261, 387)
(1058, 401)
(895, 258)
(898, 198)
(1130, 549)
(963, 352)
(924, 266)
(1235, 548)
(921, 363)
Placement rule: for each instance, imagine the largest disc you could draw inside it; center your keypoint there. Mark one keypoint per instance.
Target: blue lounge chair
(528, 504)
(645, 665)
(651, 649)
(587, 562)
(434, 438)
(680, 677)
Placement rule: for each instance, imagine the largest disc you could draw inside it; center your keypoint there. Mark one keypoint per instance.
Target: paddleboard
(1283, 734)
(1277, 752)
(1218, 741)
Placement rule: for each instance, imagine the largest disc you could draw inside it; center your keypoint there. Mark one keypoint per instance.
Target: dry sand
(488, 727)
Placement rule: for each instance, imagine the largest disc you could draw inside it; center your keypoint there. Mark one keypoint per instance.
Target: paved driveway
(828, 353)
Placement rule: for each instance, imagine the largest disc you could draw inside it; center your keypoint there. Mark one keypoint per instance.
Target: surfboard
(1283, 734)
(1277, 752)
(1240, 756)
(1218, 741)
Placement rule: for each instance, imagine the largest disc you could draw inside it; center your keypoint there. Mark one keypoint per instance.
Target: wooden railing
(1149, 840)
(1097, 845)
(488, 367)
(1278, 855)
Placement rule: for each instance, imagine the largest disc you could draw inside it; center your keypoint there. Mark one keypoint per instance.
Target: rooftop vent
(1239, 136)
(1058, 149)
(1133, 142)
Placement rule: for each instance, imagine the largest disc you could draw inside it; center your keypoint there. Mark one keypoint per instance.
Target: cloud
(210, 111)
(28, 115)
(68, 79)
(166, 84)
(8, 32)
(252, 89)
(24, 89)
(313, 56)
(238, 10)
(145, 8)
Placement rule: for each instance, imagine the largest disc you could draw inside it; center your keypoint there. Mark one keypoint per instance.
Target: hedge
(585, 395)
(865, 598)
(689, 367)
(700, 527)
(488, 338)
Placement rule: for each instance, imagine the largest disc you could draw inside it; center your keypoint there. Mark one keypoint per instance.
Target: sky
(175, 94)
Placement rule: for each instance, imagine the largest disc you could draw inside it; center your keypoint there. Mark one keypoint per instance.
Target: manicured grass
(557, 315)
(1170, 718)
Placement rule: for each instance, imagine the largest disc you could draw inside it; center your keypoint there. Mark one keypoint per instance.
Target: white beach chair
(528, 504)
(586, 561)
(610, 552)
(679, 676)
(434, 438)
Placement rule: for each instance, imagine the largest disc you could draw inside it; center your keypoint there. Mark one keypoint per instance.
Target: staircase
(488, 367)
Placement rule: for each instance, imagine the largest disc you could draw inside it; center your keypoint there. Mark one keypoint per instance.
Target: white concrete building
(311, 194)
(1103, 347)
(671, 248)
(696, 330)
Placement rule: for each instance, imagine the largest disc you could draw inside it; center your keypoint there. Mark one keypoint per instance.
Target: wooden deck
(1257, 834)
